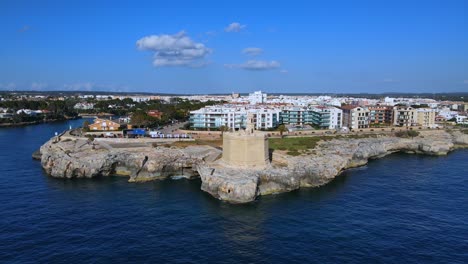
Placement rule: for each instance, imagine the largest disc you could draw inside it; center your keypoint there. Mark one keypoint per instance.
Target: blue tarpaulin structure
(136, 132)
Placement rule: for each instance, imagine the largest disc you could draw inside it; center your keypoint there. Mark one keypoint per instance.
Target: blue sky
(235, 46)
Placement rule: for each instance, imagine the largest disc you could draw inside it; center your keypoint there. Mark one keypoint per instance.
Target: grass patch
(293, 153)
(297, 145)
(294, 144)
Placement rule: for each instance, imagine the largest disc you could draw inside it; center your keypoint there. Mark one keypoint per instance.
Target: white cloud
(38, 85)
(90, 86)
(255, 65)
(86, 86)
(234, 27)
(8, 86)
(465, 81)
(174, 50)
(284, 71)
(252, 51)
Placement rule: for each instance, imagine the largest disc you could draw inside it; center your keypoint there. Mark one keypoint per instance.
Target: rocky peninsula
(73, 157)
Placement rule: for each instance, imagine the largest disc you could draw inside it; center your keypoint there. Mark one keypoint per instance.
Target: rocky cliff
(330, 158)
(83, 159)
(80, 158)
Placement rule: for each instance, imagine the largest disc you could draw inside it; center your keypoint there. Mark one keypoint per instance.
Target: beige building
(246, 148)
(425, 117)
(404, 116)
(104, 125)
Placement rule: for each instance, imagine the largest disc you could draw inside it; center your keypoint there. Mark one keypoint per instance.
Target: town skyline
(213, 48)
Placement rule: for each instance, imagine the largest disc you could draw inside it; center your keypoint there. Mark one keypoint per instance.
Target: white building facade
(233, 117)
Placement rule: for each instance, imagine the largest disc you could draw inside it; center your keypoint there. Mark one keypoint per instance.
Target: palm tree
(223, 129)
(282, 129)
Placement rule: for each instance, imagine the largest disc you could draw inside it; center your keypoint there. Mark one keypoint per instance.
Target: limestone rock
(79, 158)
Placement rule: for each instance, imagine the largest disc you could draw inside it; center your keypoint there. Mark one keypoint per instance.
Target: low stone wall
(141, 140)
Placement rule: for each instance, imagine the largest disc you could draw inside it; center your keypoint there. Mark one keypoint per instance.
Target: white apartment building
(327, 117)
(84, 106)
(257, 97)
(233, 117)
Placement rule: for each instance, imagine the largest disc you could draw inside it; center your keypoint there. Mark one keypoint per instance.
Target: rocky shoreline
(79, 158)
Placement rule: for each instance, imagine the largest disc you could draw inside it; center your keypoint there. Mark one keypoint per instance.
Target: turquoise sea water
(400, 209)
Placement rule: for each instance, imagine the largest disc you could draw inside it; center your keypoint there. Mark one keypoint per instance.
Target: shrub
(408, 133)
(413, 133)
(293, 153)
(401, 134)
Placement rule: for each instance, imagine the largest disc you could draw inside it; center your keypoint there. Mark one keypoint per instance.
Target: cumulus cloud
(255, 65)
(174, 50)
(252, 51)
(8, 86)
(234, 27)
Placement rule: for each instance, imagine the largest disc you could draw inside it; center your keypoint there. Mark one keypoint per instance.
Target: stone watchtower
(246, 148)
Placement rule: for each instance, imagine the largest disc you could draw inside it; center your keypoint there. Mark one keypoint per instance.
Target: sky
(201, 47)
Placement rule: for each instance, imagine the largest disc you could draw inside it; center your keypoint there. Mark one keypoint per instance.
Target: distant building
(404, 116)
(295, 116)
(155, 113)
(257, 97)
(461, 119)
(327, 117)
(380, 114)
(83, 106)
(213, 117)
(355, 117)
(101, 124)
(425, 117)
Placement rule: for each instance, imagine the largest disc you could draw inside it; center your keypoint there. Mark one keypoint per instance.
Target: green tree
(223, 129)
(282, 128)
(413, 133)
(142, 119)
(86, 126)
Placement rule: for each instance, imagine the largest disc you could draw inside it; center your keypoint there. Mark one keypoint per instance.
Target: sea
(399, 209)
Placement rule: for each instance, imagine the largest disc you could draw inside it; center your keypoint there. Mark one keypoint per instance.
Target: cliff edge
(79, 158)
